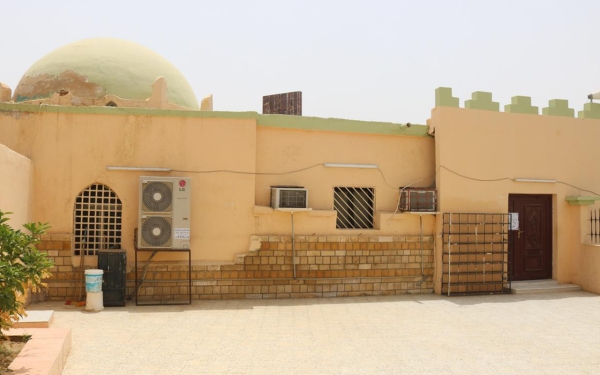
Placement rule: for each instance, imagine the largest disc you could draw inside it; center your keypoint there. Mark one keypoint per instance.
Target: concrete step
(45, 354)
(541, 286)
(35, 319)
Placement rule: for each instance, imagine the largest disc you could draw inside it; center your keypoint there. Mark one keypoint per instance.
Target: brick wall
(334, 266)
(58, 248)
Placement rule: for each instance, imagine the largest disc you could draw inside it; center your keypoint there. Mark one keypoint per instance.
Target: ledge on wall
(400, 215)
(266, 210)
(582, 201)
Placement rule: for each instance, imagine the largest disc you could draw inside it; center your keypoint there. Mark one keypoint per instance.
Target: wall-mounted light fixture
(343, 165)
(142, 169)
(534, 180)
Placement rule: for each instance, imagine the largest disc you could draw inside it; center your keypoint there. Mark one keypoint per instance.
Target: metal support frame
(189, 251)
(475, 253)
(594, 226)
(293, 246)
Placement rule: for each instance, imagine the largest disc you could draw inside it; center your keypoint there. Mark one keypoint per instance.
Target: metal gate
(475, 257)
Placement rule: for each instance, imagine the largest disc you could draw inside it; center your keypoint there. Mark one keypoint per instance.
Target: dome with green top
(103, 66)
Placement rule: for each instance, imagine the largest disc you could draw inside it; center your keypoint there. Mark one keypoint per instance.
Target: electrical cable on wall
(472, 178)
(380, 172)
(251, 173)
(290, 172)
(511, 179)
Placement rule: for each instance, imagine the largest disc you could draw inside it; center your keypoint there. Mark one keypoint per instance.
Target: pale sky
(377, 60)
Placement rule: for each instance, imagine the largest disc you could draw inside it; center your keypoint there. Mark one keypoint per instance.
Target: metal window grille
(354, 206)
(475, 258)
(417, 200)
(96, 220)
(594, 226)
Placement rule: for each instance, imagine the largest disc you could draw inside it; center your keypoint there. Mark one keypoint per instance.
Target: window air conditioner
(417, 200)
(289, 197)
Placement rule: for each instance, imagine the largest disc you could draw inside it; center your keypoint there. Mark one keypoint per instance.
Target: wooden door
(531, 251)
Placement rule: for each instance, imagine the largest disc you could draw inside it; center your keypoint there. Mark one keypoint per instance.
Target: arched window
(96, 220)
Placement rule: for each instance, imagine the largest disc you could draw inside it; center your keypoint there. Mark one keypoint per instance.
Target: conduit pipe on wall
(293, 246)
(142, 169)
(291, 211)
(421, 227)
(346, 165)
(534, 180)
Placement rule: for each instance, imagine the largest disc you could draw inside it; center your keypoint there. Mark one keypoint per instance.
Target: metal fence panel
(475, 255)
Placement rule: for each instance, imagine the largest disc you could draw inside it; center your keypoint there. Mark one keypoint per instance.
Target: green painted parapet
(521, 104)
(444, 98)
(482, 100)
(590, 110)
(558, 107)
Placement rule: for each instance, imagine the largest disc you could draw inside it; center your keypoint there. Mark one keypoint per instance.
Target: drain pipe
(293, 246)
(291, 211)
(449, 252)
(421, 225)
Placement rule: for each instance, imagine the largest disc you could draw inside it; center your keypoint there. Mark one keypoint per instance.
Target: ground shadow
(245, 304)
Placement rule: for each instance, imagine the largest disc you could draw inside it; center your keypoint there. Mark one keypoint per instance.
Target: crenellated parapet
(521, 104)
(444, 98)
(482, 100)
(558, 107)
(590, 110)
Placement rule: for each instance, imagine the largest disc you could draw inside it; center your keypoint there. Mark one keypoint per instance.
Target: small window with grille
(354, 206)
(96, 220)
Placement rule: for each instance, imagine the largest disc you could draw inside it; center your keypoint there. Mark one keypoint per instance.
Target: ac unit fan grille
(292, 198)
(157, 196)
(156, 231)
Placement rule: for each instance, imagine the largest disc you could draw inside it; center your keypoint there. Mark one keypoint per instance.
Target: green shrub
(22, 268)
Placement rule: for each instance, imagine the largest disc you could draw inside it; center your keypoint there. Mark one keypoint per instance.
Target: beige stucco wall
(494, 145)
(16, 174)
(72, 151)
(402, 160)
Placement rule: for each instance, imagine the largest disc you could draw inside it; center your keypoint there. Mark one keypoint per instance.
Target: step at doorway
(541, 286)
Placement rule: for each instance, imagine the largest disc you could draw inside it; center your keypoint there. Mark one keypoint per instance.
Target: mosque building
(106, 140)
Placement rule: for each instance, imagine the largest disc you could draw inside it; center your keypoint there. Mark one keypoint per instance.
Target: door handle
(519, 233)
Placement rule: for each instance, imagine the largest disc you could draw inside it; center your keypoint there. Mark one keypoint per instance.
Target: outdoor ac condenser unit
(289, 197)
(164, 214)
(417, 200)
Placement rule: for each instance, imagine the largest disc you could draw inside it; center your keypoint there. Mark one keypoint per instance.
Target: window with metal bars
(96, 220)
(355, 207)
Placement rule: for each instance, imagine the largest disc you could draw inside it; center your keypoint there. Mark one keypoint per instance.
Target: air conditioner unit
(417, 200)
(289, 197)
(164, 213)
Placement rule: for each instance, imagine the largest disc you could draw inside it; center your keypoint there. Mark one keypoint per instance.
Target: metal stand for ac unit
(152, 303)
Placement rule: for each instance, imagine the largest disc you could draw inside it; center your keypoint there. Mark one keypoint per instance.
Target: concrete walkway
(556, 333)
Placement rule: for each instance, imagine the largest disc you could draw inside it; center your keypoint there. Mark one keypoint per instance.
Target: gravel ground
(556, 333)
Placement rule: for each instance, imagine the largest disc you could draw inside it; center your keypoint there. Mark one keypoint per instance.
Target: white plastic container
(94, 301)
(93, 281)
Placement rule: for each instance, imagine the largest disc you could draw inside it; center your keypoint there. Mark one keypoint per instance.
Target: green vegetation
(22, 268)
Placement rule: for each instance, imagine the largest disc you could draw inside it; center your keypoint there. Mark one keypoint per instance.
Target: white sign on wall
(514, 221)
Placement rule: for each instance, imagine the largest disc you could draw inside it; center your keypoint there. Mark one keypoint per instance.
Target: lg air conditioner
(289, 197)
(417, 200)
(164, 213)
